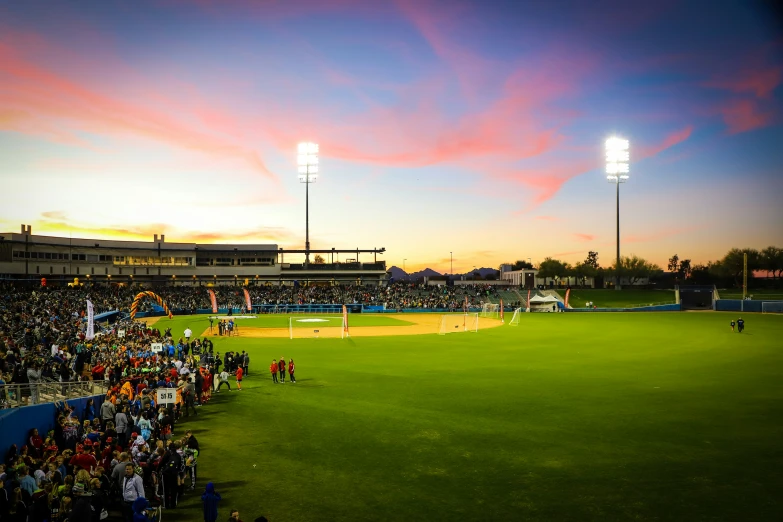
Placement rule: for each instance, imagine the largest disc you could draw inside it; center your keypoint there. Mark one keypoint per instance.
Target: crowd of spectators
(127, 452)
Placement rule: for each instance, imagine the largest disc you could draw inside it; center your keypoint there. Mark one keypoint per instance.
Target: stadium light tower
(617, 158)
(307, 163)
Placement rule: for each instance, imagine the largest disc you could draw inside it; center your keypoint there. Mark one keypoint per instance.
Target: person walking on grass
(740, 325)
(291, 369)
(240, 373)
(210, 498)
(281, 369)
(273, 369)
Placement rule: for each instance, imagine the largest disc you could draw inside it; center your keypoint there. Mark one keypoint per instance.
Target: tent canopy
(544, 299)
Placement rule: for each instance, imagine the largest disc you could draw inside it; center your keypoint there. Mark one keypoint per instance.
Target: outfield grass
(566, 417)
(610, 298)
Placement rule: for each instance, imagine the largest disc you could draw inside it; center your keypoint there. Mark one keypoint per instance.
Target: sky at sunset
(468, 127)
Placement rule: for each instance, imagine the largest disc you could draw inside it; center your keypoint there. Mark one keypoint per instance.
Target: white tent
(543, 303)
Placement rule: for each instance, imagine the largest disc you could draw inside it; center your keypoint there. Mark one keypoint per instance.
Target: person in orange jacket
(240, 373)
(291, 369)
(273, 369)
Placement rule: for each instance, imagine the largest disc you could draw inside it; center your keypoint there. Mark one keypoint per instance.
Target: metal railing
(18, 395)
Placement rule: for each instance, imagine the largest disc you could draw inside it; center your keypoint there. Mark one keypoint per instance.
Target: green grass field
(635, 416)
(610, 298)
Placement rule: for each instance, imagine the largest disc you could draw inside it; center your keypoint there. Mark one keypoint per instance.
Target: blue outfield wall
(737, 305)
(16, 423)
(657, 308)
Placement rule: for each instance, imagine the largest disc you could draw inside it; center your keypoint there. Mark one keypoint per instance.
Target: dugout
(697, 297)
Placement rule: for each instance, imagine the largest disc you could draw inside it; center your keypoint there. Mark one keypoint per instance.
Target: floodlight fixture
(307, 168)
(307, 162)
(618, 157)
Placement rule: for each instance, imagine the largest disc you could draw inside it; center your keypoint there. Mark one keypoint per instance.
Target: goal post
(454, 323)
(316, 327)
(772, 307)
(490, 310)
(515, 318)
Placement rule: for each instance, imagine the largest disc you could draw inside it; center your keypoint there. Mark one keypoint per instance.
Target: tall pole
(617, 270)
(617, 159)
(307, 166)
(307, 219)
(451, 258)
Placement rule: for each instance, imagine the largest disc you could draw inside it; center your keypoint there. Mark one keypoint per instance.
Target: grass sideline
(610, 298)
(566, 417)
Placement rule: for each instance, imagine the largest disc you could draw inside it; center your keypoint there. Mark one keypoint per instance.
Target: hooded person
(142, 512)
(210, 499)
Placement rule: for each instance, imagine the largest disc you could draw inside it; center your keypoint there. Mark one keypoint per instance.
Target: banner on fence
(247, 300)
(213, 300)
(90, 320)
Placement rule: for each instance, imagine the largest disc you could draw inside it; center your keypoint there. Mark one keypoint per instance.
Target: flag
(90, 320)
(213, 300)
(528, 299)
(568, 293)
(247, 300)
(345, 319)
(501, 312)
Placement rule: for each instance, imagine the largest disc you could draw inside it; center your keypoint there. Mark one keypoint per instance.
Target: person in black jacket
(82, 508)
(170, 466)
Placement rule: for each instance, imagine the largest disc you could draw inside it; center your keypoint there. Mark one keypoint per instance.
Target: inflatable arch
(152, 295)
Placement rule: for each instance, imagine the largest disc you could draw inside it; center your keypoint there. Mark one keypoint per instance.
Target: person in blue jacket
(210, 499)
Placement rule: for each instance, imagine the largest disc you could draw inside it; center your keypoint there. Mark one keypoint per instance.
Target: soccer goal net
(515, 318)
(316, 327)
(772, 307)
(452, 323)
(490, 310)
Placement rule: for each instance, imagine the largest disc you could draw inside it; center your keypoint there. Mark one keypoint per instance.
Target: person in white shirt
(223, 380)
(188, 333)
(55, 350)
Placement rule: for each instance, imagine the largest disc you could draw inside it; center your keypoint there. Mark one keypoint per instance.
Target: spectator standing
(281, 369)
(273, 369)
(210, 498)
(107, 412)
(82, 506)
(132, 488)
(291, 370)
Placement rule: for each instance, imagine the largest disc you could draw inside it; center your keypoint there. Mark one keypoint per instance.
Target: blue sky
(468, 127)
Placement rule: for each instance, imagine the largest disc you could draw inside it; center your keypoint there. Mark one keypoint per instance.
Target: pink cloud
(51, 105)
(742, 115)
(584, 237)
(761, 83)
(672, 139)
(546, 218)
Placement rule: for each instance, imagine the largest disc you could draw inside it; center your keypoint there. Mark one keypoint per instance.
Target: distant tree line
(724, 272)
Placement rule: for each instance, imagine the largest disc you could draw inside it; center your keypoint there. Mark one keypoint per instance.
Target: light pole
(451, 258)
(617, 158)
(307, 163)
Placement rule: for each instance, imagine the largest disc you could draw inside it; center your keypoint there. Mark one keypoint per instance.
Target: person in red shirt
(281, 369)
(83, 460)
(273, 369)
(291, 369)
(240, 373)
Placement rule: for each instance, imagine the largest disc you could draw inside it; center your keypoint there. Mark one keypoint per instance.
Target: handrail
(19, 395)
